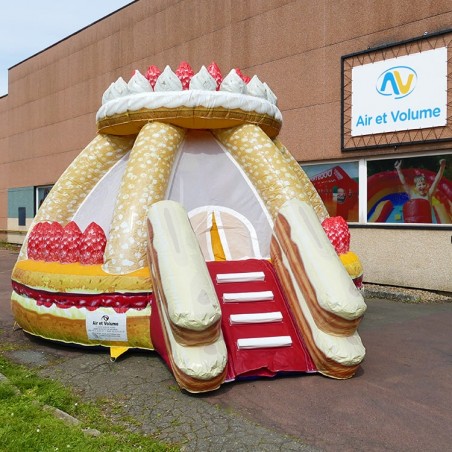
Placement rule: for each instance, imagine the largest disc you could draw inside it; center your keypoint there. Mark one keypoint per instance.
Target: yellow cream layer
(78, 278)
(73, 269)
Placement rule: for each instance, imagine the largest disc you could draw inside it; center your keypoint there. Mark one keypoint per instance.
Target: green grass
(27, 426)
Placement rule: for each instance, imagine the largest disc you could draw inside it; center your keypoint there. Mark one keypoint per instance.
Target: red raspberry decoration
(336, 229)
(70, 243)
(185, 73)
(152, 74)
(92, 245)
(215, 72)
(245, 78)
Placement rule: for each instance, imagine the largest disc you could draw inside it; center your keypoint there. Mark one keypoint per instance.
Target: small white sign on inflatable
(103, 326)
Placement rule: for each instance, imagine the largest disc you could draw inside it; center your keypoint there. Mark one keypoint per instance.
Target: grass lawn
(27, 423)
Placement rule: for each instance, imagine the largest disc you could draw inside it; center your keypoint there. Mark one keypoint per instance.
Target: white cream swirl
(203, 81)
(271, 97)
(256, 88)
(168, 81)
(233, 83)
(115, 90)
(139, 83)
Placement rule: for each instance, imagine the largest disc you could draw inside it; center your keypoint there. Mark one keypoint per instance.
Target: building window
(410, 190)
(41, 194)
(397, 190)
(338, 185)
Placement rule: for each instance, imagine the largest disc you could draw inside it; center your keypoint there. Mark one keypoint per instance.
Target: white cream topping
(271, 97)
(139, 83)
(189, 99)
(168, 81)
(115, 90)
(233, 83)
(234, 93)
(108, 94)
(120, 88)
(203, 81)
(256, 88)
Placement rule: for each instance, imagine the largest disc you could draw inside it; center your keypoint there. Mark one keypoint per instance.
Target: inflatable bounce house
(389, 201)
(187, 228)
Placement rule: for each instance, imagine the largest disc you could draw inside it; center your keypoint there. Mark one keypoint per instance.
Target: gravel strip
(405, 294)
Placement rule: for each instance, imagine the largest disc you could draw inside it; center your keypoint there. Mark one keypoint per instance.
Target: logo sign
(106, 327)
(404, 93)
(397, 82)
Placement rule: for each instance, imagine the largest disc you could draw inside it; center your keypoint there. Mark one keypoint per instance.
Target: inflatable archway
(186, 227)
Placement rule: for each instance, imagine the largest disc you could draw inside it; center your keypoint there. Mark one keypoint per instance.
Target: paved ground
(400, 400)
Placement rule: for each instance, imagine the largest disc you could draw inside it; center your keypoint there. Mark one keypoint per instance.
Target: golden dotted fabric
(314, 198)
(144, 183)
(80, 178)
(264, 164)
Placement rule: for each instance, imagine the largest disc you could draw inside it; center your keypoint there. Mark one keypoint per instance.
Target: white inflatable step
(240, 277)
(261, 317)
(266, 295)
(264, 342)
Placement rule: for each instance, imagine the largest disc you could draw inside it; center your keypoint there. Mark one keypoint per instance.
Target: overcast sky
(29, 26)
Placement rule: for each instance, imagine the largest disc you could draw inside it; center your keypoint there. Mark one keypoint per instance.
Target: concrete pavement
(399, 401)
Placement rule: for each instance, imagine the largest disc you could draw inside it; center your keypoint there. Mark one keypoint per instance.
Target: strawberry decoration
(92, 245)
(215, 72)
(152, 74)
(185, 73)
(44, 241)
(336, 229)
(54, 233)
(36, 241)
(70, 243)
(245, 78)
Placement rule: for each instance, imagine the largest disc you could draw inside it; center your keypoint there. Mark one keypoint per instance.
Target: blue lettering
(412, 115)
(364, 120)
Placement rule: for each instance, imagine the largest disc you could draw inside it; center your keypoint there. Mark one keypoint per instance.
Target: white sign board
(403, 93)
(103, 325)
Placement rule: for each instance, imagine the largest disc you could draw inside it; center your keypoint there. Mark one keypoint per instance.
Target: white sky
(29, 26)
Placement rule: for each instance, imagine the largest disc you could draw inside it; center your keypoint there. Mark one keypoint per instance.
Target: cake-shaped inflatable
(185, 226)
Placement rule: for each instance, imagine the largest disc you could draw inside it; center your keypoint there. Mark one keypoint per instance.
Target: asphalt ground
(400, 399)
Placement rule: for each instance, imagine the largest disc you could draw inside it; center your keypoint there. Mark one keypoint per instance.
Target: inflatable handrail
(324, 302)
(181, 280)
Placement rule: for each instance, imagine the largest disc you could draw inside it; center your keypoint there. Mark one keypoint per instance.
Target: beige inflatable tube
(145, 182)
(264, 165)
(79, 179)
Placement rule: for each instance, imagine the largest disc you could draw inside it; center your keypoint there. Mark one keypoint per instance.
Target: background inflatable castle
(185, 226)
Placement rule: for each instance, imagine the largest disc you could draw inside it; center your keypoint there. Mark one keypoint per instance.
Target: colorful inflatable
(187, 228)
(389, 203)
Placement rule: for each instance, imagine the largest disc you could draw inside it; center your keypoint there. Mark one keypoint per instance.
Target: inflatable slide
(186, 227)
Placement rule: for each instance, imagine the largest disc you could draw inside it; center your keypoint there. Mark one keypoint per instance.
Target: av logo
(397, 82)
